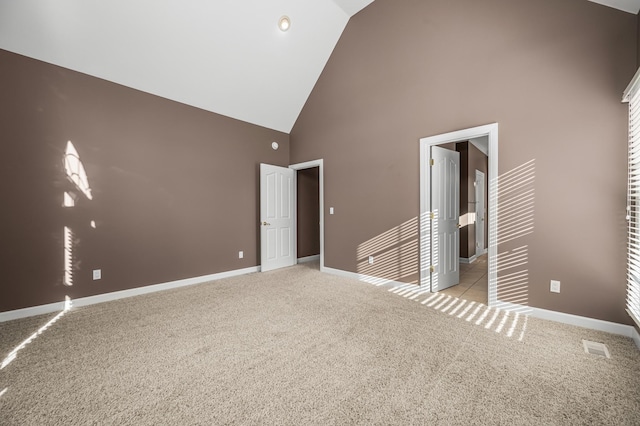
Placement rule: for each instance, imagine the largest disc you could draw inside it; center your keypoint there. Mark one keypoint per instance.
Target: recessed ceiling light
(284, 23)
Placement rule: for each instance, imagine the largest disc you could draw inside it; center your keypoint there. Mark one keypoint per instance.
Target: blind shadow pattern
(513, 193)
(510, 323)
(394, 255)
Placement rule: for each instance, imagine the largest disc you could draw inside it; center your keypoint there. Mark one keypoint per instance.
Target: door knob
(265, 224)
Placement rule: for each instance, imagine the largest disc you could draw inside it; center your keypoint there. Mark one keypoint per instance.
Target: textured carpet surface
(296, 346)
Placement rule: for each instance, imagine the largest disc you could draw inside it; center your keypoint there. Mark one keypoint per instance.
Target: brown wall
(465, 197)
(550, 73)
(308, 214)
(175, 188)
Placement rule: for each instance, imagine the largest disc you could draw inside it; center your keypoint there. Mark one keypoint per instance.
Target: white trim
(481, 147)
(629, 6)
(474, 257)
(363, 278)
(490, 131)
(469, 260)
(586, 322)
(106, 297)
(309, 165)
(635, 336)
(485, 192)
(577, 320)
(31, 312)
(307, 259)
(633, 317)
(632, 88)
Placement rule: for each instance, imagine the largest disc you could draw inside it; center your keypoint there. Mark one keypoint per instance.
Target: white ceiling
(224, 56)
(631, 6)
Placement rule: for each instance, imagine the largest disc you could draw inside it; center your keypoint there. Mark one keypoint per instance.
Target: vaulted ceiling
(225, 56)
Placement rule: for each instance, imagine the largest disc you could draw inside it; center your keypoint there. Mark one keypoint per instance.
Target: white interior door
(445, 206)
(480, 213)
(277, 231)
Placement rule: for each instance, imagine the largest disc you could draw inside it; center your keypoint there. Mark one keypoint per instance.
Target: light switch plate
(97, 274)
(555, 286)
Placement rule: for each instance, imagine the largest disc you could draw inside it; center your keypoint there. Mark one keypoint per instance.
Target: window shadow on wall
(514, 193)
(392, 255)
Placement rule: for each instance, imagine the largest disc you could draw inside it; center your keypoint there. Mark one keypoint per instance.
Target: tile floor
(473, 282)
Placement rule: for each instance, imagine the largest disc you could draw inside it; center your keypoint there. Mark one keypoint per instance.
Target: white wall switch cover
(555, 286)
(330, 210)
(240, 254)
(97, 274)
(371, 260)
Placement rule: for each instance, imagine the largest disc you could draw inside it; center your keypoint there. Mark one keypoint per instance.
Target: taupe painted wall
(308, 214)
(550, 73)
(175, 188)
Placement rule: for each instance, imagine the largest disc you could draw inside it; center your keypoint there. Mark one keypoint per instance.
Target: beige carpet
(299, 347)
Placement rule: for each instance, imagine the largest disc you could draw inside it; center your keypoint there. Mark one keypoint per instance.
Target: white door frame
(490, 131)
(480, 222)
(302, 166)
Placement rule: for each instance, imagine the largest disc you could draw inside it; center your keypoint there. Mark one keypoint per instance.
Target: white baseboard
(468, 260)
(361, 277)
(474, 257)
(32, 311)
(636, 337)
(306, 259)
(585, 322)
(106, 297)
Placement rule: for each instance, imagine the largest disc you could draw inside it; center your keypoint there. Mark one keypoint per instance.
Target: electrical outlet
(370, 260)
(240, 254)
(97, 274)
(555, 286)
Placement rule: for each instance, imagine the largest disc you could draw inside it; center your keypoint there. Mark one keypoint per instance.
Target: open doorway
(458, 191)
(309, 216)
(278, 214)
(477, 264)
(474, 268)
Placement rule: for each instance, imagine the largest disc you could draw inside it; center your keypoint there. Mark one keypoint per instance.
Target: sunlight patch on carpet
(507, 319)
(14, 353)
